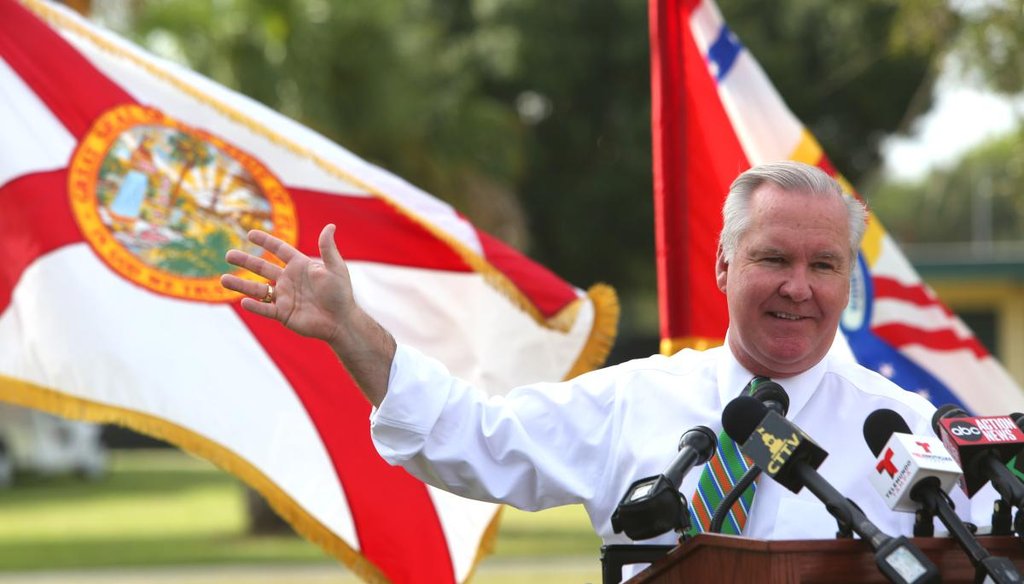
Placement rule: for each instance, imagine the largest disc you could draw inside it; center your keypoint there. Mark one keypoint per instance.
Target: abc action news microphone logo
(966, 437)
(995, 429)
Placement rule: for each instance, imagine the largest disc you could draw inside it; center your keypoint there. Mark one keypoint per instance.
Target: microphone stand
(1011, 493)
(988, 568)
(896, 557)
(731, 497)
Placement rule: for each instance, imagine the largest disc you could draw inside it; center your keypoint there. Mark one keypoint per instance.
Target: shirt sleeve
(539, 446)
(418, 388)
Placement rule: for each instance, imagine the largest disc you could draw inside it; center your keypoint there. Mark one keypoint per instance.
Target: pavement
(301, 574)
(504, 570)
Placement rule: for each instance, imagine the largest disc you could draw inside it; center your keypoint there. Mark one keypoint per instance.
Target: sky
(961, 117)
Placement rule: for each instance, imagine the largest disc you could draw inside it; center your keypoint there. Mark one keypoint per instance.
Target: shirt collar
(733, 377)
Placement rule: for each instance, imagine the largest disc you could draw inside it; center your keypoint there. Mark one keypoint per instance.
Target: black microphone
(982, 446)
(902, 460)
(775, 398)
(921, 465)
(1018, 461)
(654, 505)
(1018, 418)
(777, 443)
(789, 456)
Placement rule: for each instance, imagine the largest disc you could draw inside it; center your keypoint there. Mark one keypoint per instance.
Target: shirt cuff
(418, 388)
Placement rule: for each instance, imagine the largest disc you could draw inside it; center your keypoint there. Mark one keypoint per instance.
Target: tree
(983, 38)
(840, 70)
(533, 116)
(978, 198)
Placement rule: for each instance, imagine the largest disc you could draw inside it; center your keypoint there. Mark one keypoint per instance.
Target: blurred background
(532, 117)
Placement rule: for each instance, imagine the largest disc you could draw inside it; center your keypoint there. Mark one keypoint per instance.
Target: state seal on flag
(162, 202)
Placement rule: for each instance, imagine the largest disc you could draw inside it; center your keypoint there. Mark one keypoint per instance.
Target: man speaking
(785, 257)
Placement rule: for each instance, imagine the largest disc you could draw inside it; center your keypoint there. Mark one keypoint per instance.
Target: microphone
(789, 456)
(778, 445)
(654, 505)
(775, 398)
(1018, 463)
(982, 446)
(904, 460)
(915, 473)
(1018, 418)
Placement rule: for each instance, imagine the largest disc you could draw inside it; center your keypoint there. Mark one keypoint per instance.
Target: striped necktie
(719, 476)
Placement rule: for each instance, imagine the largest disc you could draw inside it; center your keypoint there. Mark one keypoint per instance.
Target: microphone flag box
(775, 443)
(966, 437)
(905, 460)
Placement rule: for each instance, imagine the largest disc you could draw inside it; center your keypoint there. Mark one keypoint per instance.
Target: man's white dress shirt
(587, 439)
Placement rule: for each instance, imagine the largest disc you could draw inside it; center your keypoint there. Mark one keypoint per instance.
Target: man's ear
(721, 269)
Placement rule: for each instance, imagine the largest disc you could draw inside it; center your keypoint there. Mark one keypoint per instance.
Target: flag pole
(668, 160)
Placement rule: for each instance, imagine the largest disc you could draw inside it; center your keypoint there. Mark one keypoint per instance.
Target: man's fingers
(329, 249)
(258, 266)
(248, 287)
(274, 245)
(268, 310)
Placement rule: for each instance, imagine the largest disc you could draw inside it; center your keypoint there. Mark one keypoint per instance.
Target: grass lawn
(162, 507)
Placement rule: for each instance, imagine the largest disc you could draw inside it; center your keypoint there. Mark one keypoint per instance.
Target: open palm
(311, 297)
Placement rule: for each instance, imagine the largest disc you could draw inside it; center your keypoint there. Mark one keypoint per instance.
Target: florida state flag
(123, 181)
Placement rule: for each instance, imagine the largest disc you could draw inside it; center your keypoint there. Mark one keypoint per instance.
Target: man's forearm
(366, 350)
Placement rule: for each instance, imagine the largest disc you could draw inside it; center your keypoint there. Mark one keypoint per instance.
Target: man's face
(788, 281)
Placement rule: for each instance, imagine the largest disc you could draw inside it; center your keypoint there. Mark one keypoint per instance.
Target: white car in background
(43, 444)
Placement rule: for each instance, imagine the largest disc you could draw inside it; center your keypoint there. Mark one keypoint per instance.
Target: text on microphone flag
(905, 458)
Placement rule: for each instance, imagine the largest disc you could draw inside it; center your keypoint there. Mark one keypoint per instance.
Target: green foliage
(983, 38)
(838, 69)
(154, 508)
(588, 192)
(164, 508)
(980, 197)
(992, 44)
(530, 116)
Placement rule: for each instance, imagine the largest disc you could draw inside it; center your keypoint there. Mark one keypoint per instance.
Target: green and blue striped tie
(719, 476)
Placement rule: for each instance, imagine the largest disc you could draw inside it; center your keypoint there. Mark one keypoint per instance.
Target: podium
(724, 558)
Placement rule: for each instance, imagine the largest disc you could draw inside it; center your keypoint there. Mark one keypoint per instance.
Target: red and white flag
(125, 178)
(715, 114)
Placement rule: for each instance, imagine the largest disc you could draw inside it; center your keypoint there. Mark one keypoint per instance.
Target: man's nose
(796, 287)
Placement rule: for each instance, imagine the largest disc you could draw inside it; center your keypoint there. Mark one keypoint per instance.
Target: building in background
(983, 283)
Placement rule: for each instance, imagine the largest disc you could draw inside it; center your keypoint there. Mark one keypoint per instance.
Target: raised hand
(314, 298)
(311, 297)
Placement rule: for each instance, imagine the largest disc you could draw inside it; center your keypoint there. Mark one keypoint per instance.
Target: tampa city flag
(715, 114)
(124, 179)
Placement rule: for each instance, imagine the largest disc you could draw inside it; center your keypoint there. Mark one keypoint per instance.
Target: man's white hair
(789, 176)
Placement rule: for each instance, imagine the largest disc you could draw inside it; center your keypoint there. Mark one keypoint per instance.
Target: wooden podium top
(724, 558)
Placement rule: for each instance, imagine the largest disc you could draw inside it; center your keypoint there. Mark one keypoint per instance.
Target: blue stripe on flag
(723, 52)
(877, 355)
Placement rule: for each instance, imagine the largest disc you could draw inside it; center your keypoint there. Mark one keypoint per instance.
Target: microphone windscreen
(1018, 418)
(946, 411)
(741, 416)
(880, 426)
(771, 391)
(702, 440)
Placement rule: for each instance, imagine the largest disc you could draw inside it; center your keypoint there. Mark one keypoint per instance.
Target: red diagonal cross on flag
(122, 181)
